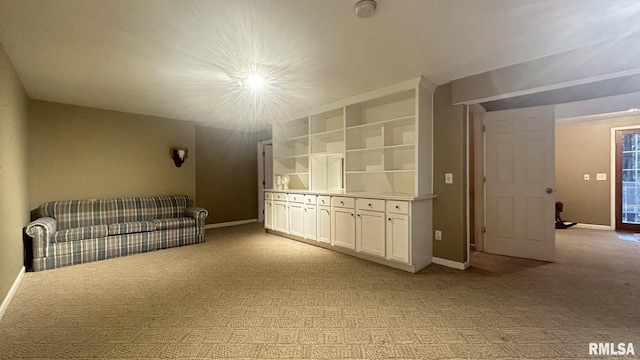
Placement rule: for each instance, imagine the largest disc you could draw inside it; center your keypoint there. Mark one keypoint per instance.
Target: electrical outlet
(586, 176)
(448, 178)
(601, 176)
(438, 235)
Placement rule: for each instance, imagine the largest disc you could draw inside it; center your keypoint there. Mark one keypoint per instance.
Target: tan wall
(585, 148)
(14, 189)
(227, 173)
(449, 156)
(83, 153)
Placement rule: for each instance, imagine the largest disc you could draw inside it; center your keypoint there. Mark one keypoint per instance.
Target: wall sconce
(179, 155)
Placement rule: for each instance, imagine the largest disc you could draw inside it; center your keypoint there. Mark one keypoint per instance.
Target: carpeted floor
(247, 294)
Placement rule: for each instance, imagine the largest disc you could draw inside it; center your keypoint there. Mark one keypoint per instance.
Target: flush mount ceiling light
(365, 8)
(253, 80)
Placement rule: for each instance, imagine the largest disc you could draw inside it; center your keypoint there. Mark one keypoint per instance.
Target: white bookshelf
(291, 152)
(378, 143)
(364, 167)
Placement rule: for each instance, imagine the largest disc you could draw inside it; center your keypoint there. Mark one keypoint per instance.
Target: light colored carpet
(247, 294)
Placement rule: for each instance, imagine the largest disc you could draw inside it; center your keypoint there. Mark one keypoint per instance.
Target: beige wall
(83, 153)
(585, 148)
(449, 156)
(227, 173)
(14, 190)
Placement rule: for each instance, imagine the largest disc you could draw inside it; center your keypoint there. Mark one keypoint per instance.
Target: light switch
(601, 176)
(448, 178)
(586, 176)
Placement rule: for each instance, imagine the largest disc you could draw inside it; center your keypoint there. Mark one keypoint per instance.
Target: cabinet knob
(341, 202)
(358, 215)
(369, 204)
(352, 215)
(397, 207)
(389, 219)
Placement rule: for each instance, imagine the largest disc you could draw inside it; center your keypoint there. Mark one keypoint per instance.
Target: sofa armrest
(199, 214)
(42, 230)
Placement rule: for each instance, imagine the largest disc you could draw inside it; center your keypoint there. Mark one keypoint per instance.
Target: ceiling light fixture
(365, 8)
(255, 81)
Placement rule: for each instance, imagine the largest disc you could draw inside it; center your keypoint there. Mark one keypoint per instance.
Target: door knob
(549, 190)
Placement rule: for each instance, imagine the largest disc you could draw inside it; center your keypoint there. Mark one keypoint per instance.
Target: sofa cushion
(175, 223)
(80, 233)
(71, 214)
(132, 227)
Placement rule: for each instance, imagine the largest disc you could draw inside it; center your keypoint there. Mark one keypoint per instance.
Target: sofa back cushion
(80, 213)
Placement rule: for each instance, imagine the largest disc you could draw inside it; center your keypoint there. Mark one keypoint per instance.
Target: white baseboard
(12, 291)
(230, 223)
(450, 263)
(593, 227)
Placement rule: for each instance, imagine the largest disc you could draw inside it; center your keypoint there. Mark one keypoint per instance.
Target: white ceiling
(182, 59)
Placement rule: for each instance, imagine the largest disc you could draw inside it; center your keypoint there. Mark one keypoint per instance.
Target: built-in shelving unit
(360, 176)
(291, 153)
(372, 144)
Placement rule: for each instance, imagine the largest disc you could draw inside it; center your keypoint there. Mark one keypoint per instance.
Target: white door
(324, 224)
(296, 219)
(310, 221)
(370, 232)
(398, 237)
(344, 228)
(520, 168)
(268, 214)
(280, 216)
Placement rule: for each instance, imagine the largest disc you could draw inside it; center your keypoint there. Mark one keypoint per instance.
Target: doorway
(627, 183)
(265, 173)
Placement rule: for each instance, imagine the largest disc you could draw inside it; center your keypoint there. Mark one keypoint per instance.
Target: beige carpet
(246, 294)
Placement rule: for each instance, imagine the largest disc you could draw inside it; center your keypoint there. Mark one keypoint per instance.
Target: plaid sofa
(81, 231)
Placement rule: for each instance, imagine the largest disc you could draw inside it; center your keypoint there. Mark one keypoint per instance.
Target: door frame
(612, 172)
(261, 178)
(479, 170)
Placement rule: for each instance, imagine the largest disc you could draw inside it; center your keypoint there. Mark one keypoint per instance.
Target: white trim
(12, 291)
(594, 226)
(450, 263)
(230, 223)
(612, 172)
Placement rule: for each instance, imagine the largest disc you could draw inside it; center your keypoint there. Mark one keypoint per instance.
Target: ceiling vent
(365, 8)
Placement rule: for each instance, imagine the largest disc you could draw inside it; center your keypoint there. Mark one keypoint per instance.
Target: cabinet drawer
(279, 196)
(344, 202)
(398, 207)
(296, 198)
(324, 200)
(310, 199)
(370, 204)
(268, 196)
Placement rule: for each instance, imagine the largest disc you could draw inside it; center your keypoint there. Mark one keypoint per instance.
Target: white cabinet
(398, 240)
(268, 214)
(343, 229)
(366, 161)
(280, 216)
(370, 227)
(310, 217)
(296, 219)
(324, 222)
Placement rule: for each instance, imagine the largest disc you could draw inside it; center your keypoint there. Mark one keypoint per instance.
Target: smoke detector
(365, 8)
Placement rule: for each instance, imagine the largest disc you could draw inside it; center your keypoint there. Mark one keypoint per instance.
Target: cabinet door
(398, 237)
(280, 216)
(344, 226)
(268, 214)
(370, 232)
(324, 224)
(296, 219)
(310, 221)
